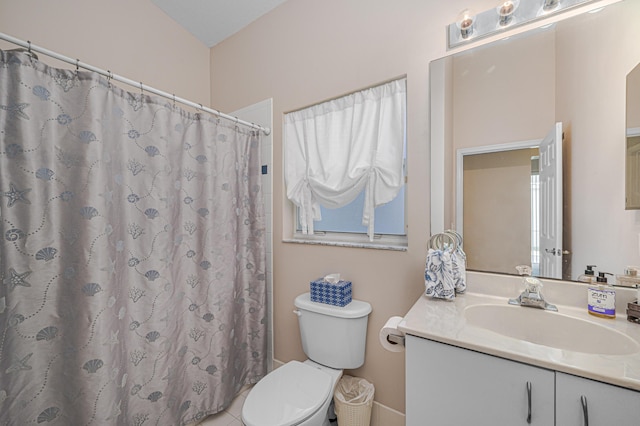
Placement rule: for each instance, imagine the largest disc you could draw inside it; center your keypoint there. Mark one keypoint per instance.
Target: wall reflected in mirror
(633, 140)
(492, 180)
(573, 72)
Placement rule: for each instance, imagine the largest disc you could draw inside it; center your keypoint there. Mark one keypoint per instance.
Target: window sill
(392, 243)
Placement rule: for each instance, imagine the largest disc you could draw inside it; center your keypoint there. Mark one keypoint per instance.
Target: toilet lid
(286, 396)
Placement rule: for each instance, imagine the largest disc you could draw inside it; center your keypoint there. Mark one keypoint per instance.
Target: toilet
(300, 393)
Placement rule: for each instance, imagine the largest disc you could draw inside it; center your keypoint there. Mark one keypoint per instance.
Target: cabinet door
(450, 386)
(606, 404)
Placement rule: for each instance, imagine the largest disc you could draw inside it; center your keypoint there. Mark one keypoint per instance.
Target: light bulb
(466, 20)
(506, 11)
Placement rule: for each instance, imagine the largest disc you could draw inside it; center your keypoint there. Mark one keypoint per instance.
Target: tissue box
(338, 294)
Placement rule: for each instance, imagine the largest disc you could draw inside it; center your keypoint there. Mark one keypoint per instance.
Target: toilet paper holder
(395, 339)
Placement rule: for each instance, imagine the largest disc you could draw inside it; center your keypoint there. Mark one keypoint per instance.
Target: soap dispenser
(602, 298)
(589, 275)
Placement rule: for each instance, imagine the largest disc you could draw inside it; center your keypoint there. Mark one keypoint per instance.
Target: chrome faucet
(532, 295)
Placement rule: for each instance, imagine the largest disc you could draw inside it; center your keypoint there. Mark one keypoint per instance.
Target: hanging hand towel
(438, 275)
(458, 258)
(459, 261)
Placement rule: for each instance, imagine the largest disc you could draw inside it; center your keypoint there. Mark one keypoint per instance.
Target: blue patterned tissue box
(338, 294)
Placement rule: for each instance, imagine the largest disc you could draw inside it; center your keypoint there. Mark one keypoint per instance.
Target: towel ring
(438, 241)
(456, 235)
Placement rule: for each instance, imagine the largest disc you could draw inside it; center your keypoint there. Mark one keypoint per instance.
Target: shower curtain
(132, 254)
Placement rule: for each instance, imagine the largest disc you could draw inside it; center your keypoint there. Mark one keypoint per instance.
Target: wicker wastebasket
(353, 400)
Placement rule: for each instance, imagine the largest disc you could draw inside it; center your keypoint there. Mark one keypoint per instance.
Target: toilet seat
(287, 396)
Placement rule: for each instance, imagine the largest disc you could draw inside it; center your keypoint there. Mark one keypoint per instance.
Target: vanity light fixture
(508, 14)
(506, 11)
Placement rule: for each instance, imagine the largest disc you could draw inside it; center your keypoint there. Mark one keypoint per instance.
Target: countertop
(445, 322)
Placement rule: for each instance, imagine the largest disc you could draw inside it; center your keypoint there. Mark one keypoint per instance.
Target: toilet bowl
(300, 393)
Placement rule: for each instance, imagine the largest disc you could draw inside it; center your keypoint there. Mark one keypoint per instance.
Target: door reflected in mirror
(527, 177)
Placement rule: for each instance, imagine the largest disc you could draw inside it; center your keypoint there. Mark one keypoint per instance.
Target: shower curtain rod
(32, 47)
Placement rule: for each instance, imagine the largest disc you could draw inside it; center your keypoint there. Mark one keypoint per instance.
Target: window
(345, 165)
(390, 219)
(535, 216)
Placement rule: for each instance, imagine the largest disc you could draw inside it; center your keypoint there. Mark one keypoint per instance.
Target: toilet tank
(333, 336)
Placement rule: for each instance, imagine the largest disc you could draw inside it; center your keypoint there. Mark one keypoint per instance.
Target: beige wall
(632, 169)
(497, 239)
(306, 51)
(134, 39)
(504, 92)
(633, 98)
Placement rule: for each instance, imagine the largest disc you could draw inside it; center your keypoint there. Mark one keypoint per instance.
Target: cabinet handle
(585, 410)
(529, 402)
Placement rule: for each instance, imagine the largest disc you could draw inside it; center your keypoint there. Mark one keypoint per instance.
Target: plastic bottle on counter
(602, 298)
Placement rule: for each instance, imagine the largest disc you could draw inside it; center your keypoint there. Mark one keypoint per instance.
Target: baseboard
(381, 415)
(277, 364)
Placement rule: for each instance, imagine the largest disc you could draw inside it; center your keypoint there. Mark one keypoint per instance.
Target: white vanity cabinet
(449, 386)
(452, 386)
(603, 404)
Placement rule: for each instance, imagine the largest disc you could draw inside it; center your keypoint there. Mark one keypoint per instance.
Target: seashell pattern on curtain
(132, 254)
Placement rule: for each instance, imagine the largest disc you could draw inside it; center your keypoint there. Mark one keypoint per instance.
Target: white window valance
(335, 150)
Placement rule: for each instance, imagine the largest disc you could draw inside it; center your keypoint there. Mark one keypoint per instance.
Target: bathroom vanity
(478, 360)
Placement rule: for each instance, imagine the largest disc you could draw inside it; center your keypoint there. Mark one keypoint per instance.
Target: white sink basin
(550, 329)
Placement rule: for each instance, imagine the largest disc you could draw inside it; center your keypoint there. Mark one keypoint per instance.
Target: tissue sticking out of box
(332, 278)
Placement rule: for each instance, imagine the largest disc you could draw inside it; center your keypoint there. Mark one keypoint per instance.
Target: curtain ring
(141, 89)
(31, 55)
(77, 65)
(109, 76)
(174, 100)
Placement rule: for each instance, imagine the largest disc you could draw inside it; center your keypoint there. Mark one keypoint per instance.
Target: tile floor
(232, 416)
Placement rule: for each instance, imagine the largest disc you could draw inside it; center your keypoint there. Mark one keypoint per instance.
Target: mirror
(512, 91)
(633, 140)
